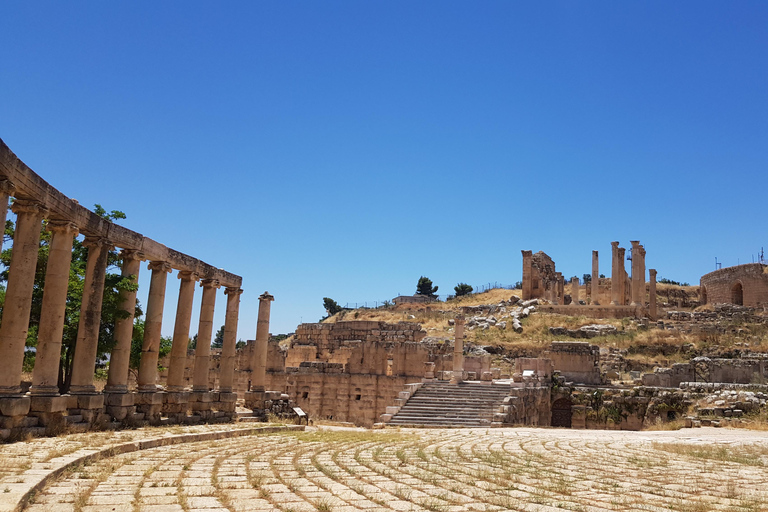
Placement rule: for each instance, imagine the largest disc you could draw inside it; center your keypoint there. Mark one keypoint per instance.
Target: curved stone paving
(433, 470)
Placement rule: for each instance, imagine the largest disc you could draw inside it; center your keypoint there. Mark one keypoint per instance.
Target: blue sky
(344, 149)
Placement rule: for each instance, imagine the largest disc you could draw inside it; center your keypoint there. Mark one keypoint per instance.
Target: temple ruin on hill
(742, 285)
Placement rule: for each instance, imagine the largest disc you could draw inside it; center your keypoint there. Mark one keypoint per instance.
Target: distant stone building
(540, 280)
(413, 299)
(743, 285)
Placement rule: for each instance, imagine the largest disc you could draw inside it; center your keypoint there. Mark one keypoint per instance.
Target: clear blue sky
(344, 149)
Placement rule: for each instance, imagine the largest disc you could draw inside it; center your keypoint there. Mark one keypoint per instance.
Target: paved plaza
(345, 470)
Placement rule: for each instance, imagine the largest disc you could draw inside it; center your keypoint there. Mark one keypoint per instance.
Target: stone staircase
(442, 404)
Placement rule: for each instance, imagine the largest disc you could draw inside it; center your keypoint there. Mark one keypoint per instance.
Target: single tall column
(595, 283)
(616, 277)
(181, 331)
(204, 332)
(458, 350)
(638, 280)
(527, 275)
(642, 274)
(230, 339)
(623, 279)
(560, 288)
(18, 294)
(49, 335)
(652, 293)
(259, 364)
(120, 359)
(147, 380)
(86, 345)
(574, 291)
(6, 190)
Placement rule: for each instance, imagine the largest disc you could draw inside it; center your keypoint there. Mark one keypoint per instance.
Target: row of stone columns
(16, 314)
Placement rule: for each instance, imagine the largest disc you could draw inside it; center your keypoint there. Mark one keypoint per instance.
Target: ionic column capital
(210, 283)
(234, 290)
(7, 187)
(188, 275)
(266, 296)
(132, 254)
(97, 242)
(29, 206)
(160, 266)
(63, 227)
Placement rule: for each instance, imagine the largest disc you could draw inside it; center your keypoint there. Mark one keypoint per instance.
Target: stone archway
(737, 294)
(561, 413)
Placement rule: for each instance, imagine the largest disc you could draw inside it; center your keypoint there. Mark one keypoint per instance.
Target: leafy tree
(518, 285)
(424, 287)
(331, 306)
(192, 342)
(586, 278)
(166, 342)
(461, 289)
(240, 344)
(218, 340)
(110, 311)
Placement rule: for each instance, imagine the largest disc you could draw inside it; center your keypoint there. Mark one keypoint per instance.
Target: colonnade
(35, 201)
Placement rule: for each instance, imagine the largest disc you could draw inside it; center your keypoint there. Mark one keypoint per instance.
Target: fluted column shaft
(6, 191)
(230, 339)
(595, 284)
(204, 333)
(181, 331)
(120, 359)
(616, 276)
(261, 345)
(51, 329)
(147, 380)
(18, 294)
(86, 346)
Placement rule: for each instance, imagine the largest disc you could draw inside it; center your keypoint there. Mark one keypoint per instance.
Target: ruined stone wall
(539, 275)
(718, 286)
(669, 377)
(329, 336)
(577, 361)
(596, 311)
(528, 405)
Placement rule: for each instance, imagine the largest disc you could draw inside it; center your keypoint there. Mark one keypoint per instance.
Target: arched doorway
(561, 413)
(737, 294)
(703, 294)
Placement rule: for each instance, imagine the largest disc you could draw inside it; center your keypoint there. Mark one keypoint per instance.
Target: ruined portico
(36, 205)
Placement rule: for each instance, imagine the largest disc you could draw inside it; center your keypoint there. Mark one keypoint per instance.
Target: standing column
(49, 335)
(458, 350)
(181, 331)
(623, 279)
(86, 345)
(642, 275)
(560, 288)
(574, 291)
(120, 359)
(652, 293)
(147, 380)
(638, 280)
(616, 276)
(204, 332)
(259, 364)
(527, 274)
(595, 284)
(18, 294)
(6, 190)
(230, 339)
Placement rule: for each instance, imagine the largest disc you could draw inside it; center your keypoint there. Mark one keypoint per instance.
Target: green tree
(218, 340)
(331, 306)
(166, 342)
(586, 278)
(110, 311)
(424, 287)
(462, 289)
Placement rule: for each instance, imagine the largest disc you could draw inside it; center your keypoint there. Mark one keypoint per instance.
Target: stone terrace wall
(327, 336)
(753, 277)
(577, 361)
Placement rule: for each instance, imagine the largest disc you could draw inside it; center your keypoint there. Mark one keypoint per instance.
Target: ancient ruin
(742, 285)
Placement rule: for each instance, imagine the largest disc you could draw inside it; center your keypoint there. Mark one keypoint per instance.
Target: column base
(120, 406)
(150, 404)
(254, 400)
(44, 391)
(89, 407)
(175, 405)
(200, 404)
(224, 403)
(49, 411)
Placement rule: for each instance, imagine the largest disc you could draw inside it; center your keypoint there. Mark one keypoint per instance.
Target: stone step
(74, 418)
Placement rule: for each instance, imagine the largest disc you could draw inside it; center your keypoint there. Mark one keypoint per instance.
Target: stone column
(574, 291)
(6, 190)
(560, 288)
(261, 345)
(204, 333)
(642, 274)
(18, 294)
(458, 351)
(86, 345)
(652, 294)
(46, 374)
(147, 380)
(638, 280)
(616, 277)
(623, 279)
(527, 274)
(181, 331)
(228, 348)
(595, 283)
(120, 359)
